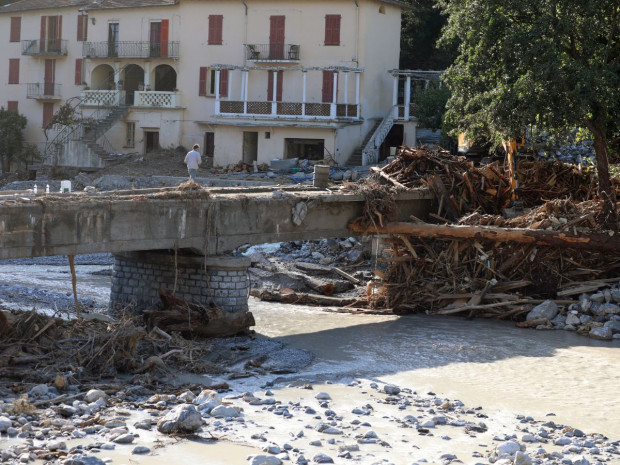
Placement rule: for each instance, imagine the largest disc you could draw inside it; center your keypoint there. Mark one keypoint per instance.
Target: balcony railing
(158, 99)
(271, 52)
(43, 90)
(401, 111)
(141, 49)
(102, 97)
(50, 47)
(287, 110)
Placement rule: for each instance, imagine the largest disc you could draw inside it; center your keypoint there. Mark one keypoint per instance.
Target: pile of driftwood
(480, 263)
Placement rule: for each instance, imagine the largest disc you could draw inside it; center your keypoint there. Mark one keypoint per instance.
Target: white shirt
(192, 160)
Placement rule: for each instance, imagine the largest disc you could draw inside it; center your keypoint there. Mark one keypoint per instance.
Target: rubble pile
(481, 277)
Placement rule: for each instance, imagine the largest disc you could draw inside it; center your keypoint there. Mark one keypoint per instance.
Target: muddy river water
(506, 370)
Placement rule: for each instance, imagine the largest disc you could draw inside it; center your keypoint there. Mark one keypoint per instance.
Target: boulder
(265, 460)
(182, 418)
(94, 395)
(225, 411)
(602, 332)
(548, 310)
(5, 424)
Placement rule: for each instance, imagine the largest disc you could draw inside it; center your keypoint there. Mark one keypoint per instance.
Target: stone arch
(165, 78)
(102, 77)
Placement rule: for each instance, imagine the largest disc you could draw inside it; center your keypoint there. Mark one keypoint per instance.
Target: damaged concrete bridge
(180, 240)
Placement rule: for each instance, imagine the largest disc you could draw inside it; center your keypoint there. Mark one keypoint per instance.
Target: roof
(28, 5)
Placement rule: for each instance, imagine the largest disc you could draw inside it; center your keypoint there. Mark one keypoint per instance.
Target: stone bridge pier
(219, 281)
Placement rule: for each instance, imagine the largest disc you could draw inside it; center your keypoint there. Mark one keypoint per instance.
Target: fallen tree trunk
(301, 298)
(181, 316)
(589, 241)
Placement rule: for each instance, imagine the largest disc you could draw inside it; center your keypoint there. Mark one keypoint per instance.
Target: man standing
(193, 161)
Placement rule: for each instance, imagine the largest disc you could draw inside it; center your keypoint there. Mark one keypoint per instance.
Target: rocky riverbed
(300, 424)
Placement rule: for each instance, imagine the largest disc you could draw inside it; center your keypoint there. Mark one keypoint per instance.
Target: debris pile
(476, 262)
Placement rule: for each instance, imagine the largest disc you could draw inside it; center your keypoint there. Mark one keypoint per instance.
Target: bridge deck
(210, 221)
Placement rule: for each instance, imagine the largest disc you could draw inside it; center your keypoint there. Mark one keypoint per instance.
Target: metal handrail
(43, 90)
(131, 49)
(370, 153)
(272, 52)
(44, 47)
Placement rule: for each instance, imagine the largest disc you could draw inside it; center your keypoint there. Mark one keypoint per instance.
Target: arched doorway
(134, 80)
(102, 78)
(165, 78)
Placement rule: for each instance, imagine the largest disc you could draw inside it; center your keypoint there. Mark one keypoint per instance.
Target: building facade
(248, 80)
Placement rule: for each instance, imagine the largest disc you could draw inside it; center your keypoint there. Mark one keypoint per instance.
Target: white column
(346, 88)
(407, 97)
(117, 77)
(274, 96)
(147, 74)
(217, 92)
(357, 93)
(245, 92)
(229, 93)
(304, 74)
(395, 95)
(334, 96)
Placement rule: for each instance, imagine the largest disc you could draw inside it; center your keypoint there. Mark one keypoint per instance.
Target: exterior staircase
(369, 153)
(356, 158)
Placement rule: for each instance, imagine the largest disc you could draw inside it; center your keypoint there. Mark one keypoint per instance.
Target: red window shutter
(12, 105)
(216, 23)
(80, 28)
(328, 86)
(165, 28)
(202, 81)
(280, 86)
(48, 112)
(13, 70)
(224, 83)
(78, 71)
(16, 28)
(332, 29)
(43, 35)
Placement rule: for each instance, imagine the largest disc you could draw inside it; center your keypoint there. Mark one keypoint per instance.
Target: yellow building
(249, 80)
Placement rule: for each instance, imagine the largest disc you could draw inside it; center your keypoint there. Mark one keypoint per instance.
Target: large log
(591, 241)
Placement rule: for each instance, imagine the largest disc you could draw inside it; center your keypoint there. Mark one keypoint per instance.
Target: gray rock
(67, 410)
(559, 320)
(598, 297)
(224, 411)
(610, 309)
(614, 325)
(57, 445)
(572, 319)
(88, 460)
(322, 396)
(94, 395)
(548, 310)
(265, 460)
(182, 418)
(140, 450)
(580, 460)
(522, 459)
(601, 332)
(124, 439)
(391, 389)
(322, 458)
(508, 448)
(39, 391)
(5, 424)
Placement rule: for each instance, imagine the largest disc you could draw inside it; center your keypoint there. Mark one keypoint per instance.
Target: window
(202, 81)
(48, 112)
(216, 23)
(13, 70)
(131, 134)
(332, 29)
(51, 33)
(82, 28)
(12, 105)
(16, 29)
(78, 71)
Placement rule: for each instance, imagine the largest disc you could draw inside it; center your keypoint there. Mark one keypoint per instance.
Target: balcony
(50, 47)
(271, 52)
(401, 112)
(288, 110)
(141, 49)
(157, 99)
(106, 98)
(43, 91)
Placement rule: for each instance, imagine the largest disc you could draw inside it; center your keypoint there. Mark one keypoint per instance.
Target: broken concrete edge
(167, 257)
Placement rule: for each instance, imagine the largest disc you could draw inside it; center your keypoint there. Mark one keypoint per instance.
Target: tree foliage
(420, 31)
(430, 104)
(554, 63)
(12, 125)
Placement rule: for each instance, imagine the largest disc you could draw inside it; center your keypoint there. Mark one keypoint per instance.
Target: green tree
(430, 105)
(12, 125)
(553, 63)
(420, 31)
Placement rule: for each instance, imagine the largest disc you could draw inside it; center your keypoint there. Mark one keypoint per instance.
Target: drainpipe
(245, 38)
(357, 31)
